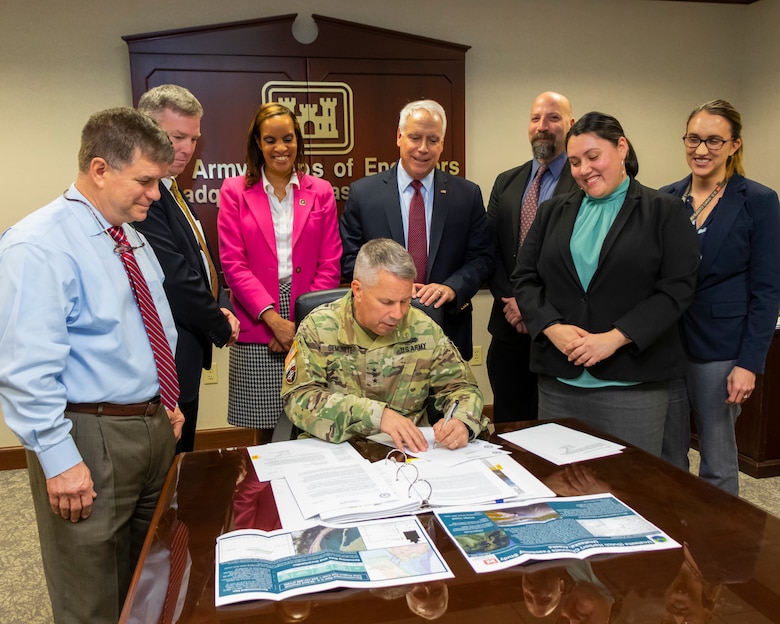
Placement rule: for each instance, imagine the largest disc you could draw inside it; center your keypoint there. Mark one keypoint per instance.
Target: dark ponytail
(608, 128)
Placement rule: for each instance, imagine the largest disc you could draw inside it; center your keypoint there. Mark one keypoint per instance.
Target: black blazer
(199, 318)
(503, 215)
(734, 310)
(460, 252)
(643, 283)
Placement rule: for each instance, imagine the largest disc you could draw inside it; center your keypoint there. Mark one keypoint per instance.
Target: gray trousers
(89, 564)
(703, 392)
(634, 414)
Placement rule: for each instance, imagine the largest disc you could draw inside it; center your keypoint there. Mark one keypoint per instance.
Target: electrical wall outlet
(210, 375)
(476, 356)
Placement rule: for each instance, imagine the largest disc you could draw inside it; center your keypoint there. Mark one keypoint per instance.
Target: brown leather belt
(147, 408)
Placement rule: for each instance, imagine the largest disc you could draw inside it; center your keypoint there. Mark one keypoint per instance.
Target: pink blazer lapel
(303, 200)
(257, 204)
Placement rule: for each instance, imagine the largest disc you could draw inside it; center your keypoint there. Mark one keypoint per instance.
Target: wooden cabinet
(758, 427)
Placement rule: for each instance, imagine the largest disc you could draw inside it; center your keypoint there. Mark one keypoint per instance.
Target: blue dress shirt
(70, 329)
(549, 177)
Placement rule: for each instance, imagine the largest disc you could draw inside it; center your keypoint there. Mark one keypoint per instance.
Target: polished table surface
(729, 570)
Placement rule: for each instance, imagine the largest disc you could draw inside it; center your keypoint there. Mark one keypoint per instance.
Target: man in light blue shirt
(78, 379)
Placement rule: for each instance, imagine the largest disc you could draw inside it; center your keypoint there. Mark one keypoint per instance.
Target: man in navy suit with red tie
(200, 306)
(425, 210)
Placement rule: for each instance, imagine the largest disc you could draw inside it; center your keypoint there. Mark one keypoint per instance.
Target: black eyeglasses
(712, 143)
(119, 248)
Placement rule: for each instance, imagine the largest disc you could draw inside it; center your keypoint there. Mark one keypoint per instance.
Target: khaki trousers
(89, 564)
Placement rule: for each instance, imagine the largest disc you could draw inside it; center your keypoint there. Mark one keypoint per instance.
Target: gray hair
(384, 254)
(176, 98)
(432, 106)
(115, 134)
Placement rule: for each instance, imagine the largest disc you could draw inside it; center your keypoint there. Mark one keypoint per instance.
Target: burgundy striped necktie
(417, 243)
(163, 357)
(178, 559)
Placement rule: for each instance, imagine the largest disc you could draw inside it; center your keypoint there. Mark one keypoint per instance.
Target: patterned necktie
(530, 204)
(161, 348)
(417, 244)
(201, 242)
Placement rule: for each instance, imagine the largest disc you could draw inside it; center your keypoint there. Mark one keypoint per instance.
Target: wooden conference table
(729, 570)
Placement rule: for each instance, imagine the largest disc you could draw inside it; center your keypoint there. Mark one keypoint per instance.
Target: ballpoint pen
(448, 416)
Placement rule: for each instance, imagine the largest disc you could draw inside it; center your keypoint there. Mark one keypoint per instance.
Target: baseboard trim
(13, 457)
(759, 469)
(226, 437)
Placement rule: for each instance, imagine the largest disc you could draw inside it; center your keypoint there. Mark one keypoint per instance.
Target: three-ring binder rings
(360, 490)
(411, 475)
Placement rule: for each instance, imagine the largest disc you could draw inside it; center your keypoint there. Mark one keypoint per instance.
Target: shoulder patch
(290, 367)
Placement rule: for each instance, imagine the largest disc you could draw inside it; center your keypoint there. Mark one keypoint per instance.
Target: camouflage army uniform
(339, 378)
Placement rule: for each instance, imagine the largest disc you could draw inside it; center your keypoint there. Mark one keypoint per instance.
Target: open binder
(394, 486)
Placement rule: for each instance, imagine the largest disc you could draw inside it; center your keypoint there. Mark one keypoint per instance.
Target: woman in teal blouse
(602, 280)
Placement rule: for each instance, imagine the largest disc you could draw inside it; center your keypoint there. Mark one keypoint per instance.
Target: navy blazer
(644, 282)
(198, 317)
(460, 251)
(734, 310)
(503, 215)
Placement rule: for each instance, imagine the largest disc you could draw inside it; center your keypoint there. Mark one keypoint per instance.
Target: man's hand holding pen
(449, 432)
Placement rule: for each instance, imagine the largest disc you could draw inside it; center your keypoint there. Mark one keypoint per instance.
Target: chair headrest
(308, 301)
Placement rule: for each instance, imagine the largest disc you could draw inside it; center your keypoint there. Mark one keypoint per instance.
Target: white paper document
(331, 490)
(475, 449)
(524, 485)
(561, 445)
(290, 515)
(360, 491)
(276, 460)
(464, 484)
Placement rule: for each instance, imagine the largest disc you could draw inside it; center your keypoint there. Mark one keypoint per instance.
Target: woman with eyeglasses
(602, 280)
(729, 326)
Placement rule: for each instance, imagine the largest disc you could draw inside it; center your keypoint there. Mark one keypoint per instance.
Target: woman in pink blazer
(279, 238)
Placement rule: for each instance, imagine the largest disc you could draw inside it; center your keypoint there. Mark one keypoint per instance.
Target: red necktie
(178, 561)
(530, 204)
(417, 244)
(163, 357)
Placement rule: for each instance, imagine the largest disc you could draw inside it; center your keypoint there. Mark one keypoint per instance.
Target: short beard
(543, 150)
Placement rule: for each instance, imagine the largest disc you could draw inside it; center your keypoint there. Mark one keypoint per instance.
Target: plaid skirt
(255, 382)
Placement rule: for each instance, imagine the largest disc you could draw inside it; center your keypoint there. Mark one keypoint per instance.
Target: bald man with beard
(513, 384)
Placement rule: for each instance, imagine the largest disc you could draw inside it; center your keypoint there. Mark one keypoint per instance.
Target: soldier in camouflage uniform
(368, 362)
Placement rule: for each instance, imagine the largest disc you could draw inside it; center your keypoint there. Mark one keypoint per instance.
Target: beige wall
(630, 58)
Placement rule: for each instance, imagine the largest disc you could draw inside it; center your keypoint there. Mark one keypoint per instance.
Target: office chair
(308, 301)
(284, 429)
